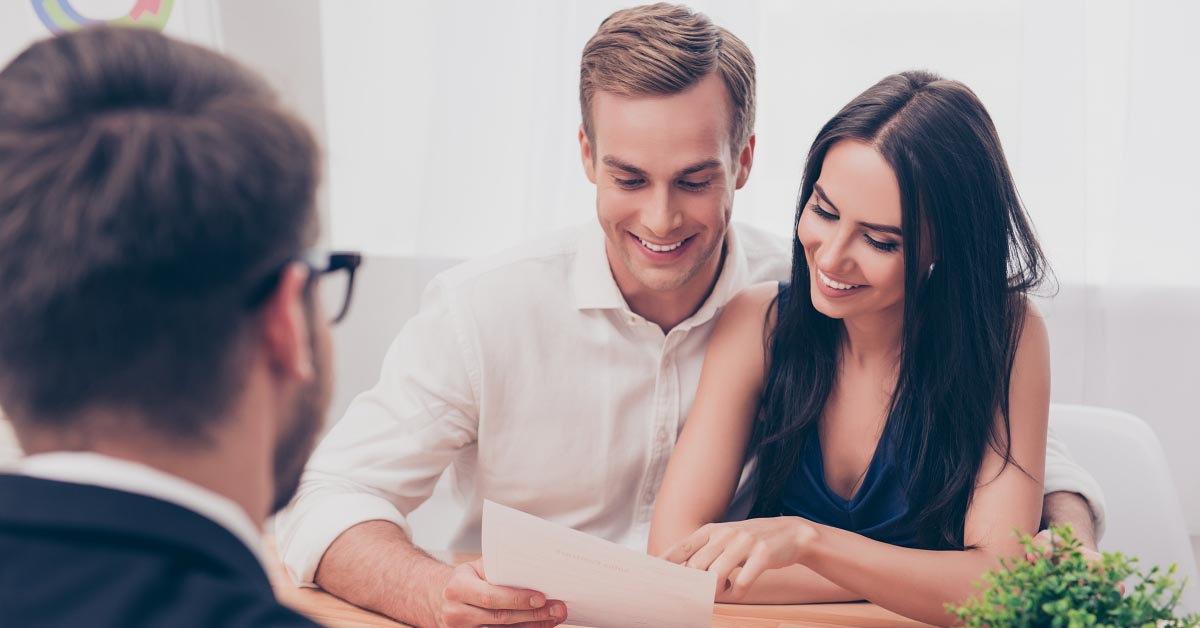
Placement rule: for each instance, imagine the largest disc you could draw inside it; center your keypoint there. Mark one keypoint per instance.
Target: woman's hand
(747, 547)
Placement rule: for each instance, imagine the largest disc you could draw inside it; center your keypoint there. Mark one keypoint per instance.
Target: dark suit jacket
(82, 556)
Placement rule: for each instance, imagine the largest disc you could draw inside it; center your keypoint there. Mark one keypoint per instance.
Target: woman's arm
(707, 461)
(712, 448)
(794, 584)
(914, 583)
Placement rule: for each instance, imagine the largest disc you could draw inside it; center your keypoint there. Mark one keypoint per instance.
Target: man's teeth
(657, 248)
(836, 285)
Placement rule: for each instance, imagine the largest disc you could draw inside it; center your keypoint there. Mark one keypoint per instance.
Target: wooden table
(330, 611)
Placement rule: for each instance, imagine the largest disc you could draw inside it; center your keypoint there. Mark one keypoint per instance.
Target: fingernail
(537, 601)
(556, 611)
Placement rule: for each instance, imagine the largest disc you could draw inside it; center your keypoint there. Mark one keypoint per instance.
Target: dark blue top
(880, 510)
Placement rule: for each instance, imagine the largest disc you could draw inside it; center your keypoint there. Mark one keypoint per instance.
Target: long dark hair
(962, 321)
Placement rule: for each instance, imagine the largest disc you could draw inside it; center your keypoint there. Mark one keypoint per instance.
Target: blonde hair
(664, 49)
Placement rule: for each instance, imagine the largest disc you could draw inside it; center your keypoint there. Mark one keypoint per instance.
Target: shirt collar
(123, 475)
(595, 287)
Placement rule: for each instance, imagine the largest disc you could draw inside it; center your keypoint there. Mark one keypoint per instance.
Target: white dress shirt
(527, 375)
(122, 475)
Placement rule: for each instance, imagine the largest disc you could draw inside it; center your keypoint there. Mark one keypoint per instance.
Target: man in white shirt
(555, 378)
(163, 357)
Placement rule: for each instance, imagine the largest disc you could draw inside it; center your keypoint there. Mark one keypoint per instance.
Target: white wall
(282, 40)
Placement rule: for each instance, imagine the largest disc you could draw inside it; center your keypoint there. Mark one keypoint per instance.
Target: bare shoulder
(735, 360)
(1029, 384)
(752, 300)
(748, 309)
(1034, 338)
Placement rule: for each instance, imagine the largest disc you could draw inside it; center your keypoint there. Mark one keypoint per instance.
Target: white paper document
(604, 585)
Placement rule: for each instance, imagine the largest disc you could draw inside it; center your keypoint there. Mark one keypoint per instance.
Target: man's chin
(660, 277)
(661, 280)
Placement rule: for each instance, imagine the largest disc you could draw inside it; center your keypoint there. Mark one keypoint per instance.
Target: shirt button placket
(665, 405)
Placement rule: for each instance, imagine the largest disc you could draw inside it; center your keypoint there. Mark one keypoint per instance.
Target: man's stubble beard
(648, 280)
(298, 440)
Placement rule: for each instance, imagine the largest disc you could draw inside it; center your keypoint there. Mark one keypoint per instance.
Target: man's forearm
(374, 565)
(1062, 508)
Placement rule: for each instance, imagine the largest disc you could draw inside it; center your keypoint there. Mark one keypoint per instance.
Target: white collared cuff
(301, 552)
(1065, 476)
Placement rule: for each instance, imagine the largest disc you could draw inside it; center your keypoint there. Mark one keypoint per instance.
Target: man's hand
(375, 566)
(468, 601)
(1061, 508)
(1045, 541)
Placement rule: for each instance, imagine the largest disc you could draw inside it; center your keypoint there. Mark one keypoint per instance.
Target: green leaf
(1066, 590)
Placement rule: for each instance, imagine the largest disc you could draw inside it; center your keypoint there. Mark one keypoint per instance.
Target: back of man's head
(148, 189)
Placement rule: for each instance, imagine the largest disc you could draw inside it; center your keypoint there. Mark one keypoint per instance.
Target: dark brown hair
(146, 186)
(665, 49)
(962, 319)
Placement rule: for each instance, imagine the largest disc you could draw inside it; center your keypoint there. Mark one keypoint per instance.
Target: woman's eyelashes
(885, 246)
(820, 211)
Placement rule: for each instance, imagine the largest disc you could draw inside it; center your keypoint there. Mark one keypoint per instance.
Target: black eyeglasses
(331, 278)
(333, 275)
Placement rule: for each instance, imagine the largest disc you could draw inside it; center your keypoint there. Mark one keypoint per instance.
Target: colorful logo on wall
(59, 16)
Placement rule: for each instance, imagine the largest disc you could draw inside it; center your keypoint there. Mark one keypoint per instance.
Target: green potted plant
(1060, 588)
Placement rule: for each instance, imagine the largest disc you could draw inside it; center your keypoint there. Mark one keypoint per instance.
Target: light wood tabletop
(330, 611)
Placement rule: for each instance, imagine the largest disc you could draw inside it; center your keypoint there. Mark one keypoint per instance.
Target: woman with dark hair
(895, 393)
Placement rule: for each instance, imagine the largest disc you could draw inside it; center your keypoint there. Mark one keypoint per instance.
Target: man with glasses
(164, 346)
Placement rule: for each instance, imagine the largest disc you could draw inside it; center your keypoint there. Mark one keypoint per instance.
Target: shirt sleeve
(1063, 474)
(383, 459)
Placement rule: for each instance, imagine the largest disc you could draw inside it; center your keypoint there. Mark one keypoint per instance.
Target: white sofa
(1144, 514)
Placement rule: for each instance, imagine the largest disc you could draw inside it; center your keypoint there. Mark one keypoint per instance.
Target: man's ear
(585, 152)
(745, 161)
(284, 321)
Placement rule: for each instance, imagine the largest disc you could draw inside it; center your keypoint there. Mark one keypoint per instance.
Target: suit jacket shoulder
(78, 555)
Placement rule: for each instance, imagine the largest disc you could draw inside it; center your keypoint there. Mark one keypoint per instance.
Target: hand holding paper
(603, 584)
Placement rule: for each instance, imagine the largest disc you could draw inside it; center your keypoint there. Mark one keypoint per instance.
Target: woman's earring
(929, 272)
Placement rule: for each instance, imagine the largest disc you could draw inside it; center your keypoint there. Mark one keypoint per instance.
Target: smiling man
(665, 169)
(554, 378)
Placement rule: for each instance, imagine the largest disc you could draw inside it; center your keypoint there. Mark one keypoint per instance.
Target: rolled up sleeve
(383, 459)
(1064, 475)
